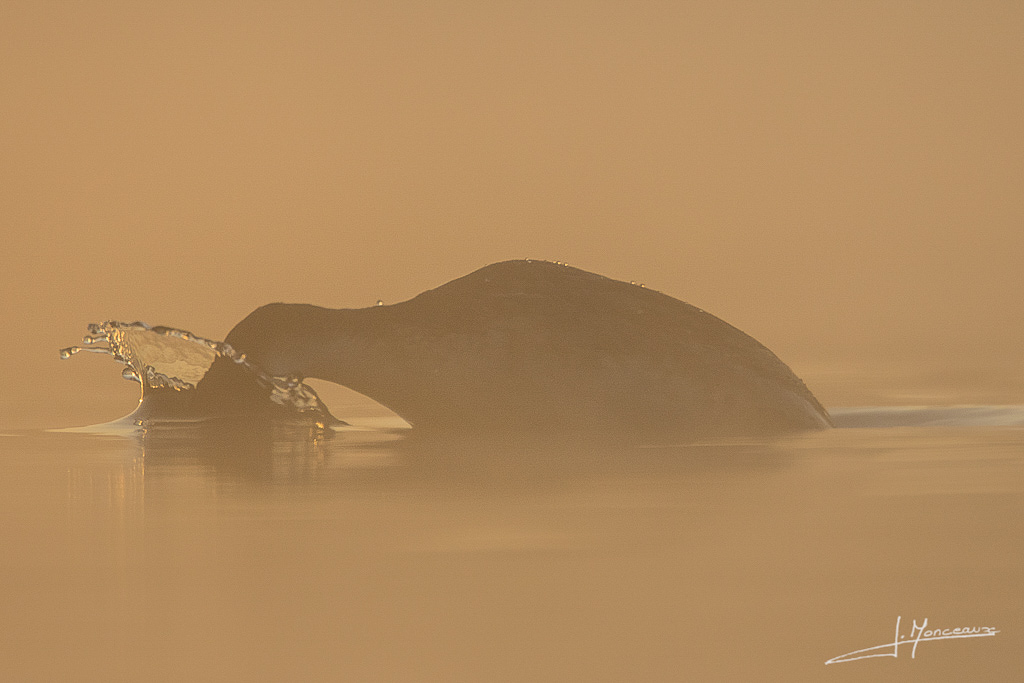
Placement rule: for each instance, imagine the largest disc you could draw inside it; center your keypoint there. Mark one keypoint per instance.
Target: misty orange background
(843, 181)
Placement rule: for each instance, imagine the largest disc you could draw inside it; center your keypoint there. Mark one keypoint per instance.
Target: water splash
(168, 358)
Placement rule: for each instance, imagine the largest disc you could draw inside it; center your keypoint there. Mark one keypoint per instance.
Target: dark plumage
(538, 346)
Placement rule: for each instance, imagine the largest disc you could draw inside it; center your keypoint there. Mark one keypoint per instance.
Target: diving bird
(535, 346)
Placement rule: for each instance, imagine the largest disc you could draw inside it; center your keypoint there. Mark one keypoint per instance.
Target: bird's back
(539, 345)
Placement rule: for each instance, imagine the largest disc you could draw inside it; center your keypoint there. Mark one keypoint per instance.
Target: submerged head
(270, 356)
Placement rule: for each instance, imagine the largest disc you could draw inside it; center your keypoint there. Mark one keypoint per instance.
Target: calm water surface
(367, 558)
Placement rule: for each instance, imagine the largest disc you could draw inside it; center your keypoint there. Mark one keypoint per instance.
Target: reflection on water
(218, 555)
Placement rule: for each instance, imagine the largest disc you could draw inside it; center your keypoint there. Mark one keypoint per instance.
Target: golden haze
(842, 181)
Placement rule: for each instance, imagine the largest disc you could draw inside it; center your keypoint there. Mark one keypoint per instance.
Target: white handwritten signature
(918, 634)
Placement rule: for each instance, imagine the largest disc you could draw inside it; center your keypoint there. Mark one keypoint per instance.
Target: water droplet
(379, 302)
(129, 374)
(69, 351)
